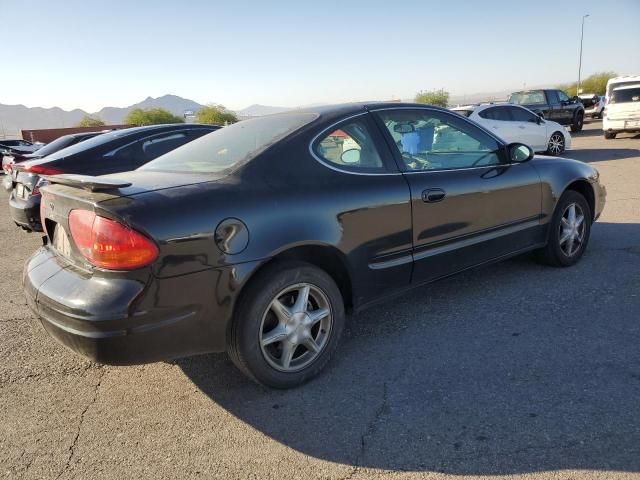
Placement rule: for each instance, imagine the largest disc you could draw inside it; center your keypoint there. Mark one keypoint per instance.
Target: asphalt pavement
(514, 371)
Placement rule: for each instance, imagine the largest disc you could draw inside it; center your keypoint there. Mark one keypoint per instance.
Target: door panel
(486, 213)
(468, 205)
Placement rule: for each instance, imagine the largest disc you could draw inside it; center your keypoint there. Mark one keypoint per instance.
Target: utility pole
(580, 61)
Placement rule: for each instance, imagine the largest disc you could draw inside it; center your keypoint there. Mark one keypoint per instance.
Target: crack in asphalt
(72, 447)
(371, 427)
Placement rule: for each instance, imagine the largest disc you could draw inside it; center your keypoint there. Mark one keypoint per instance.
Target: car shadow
(510, 369)
(600, 154)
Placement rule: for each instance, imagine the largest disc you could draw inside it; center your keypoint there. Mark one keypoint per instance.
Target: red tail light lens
(108, 244)
(40, 169)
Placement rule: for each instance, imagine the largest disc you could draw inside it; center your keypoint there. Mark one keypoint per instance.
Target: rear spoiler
(86, 182)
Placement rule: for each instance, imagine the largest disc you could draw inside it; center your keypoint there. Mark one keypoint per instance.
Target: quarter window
(431, 140)
(496, 113)
(350, 147)
(562, 96)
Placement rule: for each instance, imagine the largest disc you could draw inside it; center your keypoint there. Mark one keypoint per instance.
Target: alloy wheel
(295, 327)
(556, 144)
(571, 230)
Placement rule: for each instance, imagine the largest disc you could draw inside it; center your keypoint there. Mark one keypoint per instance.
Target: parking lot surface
(514, 371)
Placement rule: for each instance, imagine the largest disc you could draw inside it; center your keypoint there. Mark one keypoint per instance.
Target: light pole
(580, 62)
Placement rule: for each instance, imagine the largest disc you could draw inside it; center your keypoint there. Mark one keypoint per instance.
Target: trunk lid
(67, 192)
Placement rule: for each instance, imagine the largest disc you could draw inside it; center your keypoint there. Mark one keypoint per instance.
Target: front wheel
(287, 325)
(569, 231)
(556, 144)
(578, 122)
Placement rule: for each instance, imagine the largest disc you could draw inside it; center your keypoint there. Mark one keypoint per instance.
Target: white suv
(622, 113)
(514, 123)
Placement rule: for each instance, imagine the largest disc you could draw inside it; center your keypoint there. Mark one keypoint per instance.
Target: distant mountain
(259, 110)
(173, 103)
(14, 118)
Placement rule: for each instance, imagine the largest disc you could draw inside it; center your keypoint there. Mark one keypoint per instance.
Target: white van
(622, 113)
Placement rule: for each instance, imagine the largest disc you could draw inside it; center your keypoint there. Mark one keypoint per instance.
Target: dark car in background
(65, 141)
(18, 146)
(116, 151)
(256, 239)
(552, 104)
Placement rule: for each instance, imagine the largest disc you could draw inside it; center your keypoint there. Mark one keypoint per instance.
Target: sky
(87, 54)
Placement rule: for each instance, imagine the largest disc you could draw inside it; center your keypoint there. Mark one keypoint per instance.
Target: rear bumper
(26, 213)
(124, 321)
(619, 126)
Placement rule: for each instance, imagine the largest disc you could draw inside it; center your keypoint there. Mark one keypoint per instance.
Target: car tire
(561, 249)
(578, 122)
(556, 144)
(609, 135)
(271, 344)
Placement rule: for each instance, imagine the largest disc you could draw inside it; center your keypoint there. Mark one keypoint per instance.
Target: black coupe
(258, 238)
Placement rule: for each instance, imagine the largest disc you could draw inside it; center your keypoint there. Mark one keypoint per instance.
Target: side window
(488, 113)
(433, 140)
(553, 97)
(496, 113)
(159, 145)
(350, 147)
(562, 96)
(522, 115)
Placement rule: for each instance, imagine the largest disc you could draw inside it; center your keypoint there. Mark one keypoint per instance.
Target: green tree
(215, 115)
(89, 121)
(596, 84)
(439, 98)
(151, 116)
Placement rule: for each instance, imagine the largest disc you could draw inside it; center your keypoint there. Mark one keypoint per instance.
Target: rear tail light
(109, 244)
(39, 169)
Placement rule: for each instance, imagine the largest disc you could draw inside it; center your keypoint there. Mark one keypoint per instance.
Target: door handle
(433, 195)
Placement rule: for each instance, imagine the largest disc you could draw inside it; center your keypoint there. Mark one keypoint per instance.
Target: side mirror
(350, 156)
(519, 153)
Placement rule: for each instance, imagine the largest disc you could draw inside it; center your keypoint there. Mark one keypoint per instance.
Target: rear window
(230, 146)
(528, 98)
(625, 95)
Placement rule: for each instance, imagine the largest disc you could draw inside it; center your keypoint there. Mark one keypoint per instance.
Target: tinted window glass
(159, 145)
(625, 95)
(522, 115)
(57, 144)
(231, 146)
(553, 97)
(563, 96)
(351, 147)
(431, 140)
(496, 113)
(528, 98)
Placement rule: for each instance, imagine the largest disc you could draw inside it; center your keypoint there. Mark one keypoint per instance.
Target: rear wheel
(578, 122)
(609, 135)
(287, 325)
(569, 231)
(556, 144)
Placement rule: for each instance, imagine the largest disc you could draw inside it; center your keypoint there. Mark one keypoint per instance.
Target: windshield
(528, 98)
(230, 146)
(625, 95)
